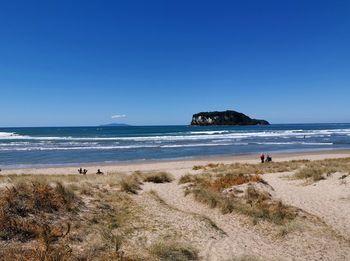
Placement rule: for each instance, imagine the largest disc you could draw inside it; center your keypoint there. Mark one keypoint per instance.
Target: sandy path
(328, 199)
(165, 222)
(215, 249)
(242, 239)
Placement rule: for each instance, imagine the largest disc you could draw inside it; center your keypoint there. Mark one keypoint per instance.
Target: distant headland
(224, 118)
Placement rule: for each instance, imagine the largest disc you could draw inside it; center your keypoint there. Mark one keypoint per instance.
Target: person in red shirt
(262, 157)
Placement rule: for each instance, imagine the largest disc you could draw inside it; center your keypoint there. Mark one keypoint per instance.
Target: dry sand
(328, 201)
(178, 166)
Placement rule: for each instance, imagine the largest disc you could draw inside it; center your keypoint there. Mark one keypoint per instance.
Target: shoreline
(173, 164)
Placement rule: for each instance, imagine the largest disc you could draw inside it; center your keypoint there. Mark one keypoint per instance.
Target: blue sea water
(71, 145)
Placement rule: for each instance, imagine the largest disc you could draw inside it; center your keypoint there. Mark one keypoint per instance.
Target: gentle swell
(204, 135)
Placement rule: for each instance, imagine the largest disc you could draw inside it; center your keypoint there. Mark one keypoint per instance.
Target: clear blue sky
(158, 62)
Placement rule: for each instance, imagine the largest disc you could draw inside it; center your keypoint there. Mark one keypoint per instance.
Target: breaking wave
(196, 135)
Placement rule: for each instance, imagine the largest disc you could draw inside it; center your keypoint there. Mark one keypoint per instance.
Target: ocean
(51, 146)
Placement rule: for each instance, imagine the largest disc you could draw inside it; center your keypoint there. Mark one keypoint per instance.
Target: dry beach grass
(288, 210)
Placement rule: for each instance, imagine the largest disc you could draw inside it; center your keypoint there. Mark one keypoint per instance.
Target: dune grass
(93, 217)
(206, 167)
(208, 187)
(255, 204)
(58, 253)
(318, 170)
(312, 172)
(38, 212)
(303, 169)
(218, 182)
(130, 184)
(246, 168)
(23, 208)
(70, 217)
(74, 217)
(261, 206)
(157, 177)
(174, 250)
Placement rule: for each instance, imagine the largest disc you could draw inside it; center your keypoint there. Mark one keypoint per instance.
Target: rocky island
(224, 118)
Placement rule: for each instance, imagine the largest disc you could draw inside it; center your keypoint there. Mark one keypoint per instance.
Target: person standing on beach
(262, 157)
(268, 158)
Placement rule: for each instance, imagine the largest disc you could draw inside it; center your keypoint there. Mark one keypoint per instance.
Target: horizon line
(163, 125)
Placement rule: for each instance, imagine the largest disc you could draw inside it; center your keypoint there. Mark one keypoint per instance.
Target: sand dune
(328, 199)
(321, 231)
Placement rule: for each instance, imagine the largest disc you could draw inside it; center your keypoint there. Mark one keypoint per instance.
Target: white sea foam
(113, 147)
(15, 143)
(145, 146)
(7, 134)
(208, 132)
(197, 145)
(204, 135)
(11, 136)
(296, 143)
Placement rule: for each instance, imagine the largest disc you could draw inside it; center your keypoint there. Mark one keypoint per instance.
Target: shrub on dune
(174, 250)
(157, 177)
(24, 208)
(130, 184)
(210, 189)
(314, 173)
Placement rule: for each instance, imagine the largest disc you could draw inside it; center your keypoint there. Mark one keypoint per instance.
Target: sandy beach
(175, 131)
(177, 166)
(320, 231)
